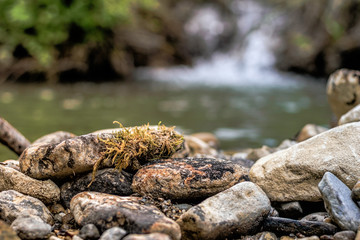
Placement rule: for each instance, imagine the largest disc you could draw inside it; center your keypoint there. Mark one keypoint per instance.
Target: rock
(110, 180)
(6, 232)
(55, 137)
(89, 232)
(338, 203)
(152, 236)
(266, 236)
(316, 217)
(107, 211)
(187, 178)
(115, 233)
(353, 115)
(290, 210)
(11, 179)
(31, 227)
(343, 91)
(241, 161)
(208, 138)
(308, 131)
(293, 174)
(13, 204)
(257, 153)
(309, 238)
(307, 228)
(246, 206)
(355, 193)
(11, 164)
(345, 235)
(195, 147)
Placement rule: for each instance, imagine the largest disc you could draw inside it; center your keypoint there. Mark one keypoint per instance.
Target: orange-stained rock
(188, 178)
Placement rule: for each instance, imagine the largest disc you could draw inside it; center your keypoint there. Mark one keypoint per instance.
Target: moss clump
(129, 147)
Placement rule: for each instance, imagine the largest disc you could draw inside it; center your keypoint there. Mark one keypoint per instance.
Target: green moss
(130, 147)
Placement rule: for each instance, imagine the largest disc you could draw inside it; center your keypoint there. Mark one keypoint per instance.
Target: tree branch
(12, 138)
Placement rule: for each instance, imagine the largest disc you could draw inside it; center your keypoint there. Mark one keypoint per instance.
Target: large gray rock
(294, 173)
(11, 179)
(188, 178)
(338, 203)
(31, 227)
(14, 204)
(109, 180)
(231, 213)
(351, 116)
(107, 211)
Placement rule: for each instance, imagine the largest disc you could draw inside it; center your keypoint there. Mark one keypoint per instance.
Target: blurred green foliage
(39, 26)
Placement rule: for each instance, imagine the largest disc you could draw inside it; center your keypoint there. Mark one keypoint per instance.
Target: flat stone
(55, 137)
(345, 235)
(109, 180)
(309, 131)
(187, 178)
(338, 202)
(231, 213)
(11, 179)
(31, 227)
(115, 233)
(294, 173)
(7, 233)
(343, 91)
(307, 228)
(152, 236)
(107, 211)
(14, 204)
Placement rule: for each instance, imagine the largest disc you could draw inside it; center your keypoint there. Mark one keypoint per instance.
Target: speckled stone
(14, 204)
(231, 213)
(188, 178)
(11, 179)
(110, 180)
(338, 202)
(107, 211)
(31, 227)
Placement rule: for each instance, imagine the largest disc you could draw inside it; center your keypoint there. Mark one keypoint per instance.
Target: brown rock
(353, 115)
(11, 179)
(109, 180)
(195, 147)
(208, 138)
(188, 178)
(14, 204)
(55, 137)
(6, 232)
(308, 131)
(152, 236)
(355, 193)
(107, 211)
(11, 164)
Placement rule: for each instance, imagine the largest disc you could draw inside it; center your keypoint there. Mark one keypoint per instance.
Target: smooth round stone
(345, 235)
(31, 227)
(115, 233)
(89, 232)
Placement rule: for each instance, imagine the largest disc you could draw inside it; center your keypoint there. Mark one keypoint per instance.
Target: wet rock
(355, 192)
(6, 232)
(11, 179)
(293, 174)
(11, 164)
(110, 180)
(343, 91)
(14, 204)
(54, 137)
(316, 217)
(107, 211)
(89, 232)
(115, 233)
(307, 228)
(308, 131)
(152, 236)
(246, 206)
(338, 203)
(31, 227)
(345, 235)
(187, 178)
(290, 210)
(353, 115)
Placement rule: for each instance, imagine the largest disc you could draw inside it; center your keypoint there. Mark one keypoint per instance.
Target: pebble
(351, 116)
(31, 227)
(187, 178)
(309, 131)
(109, 180)
(115, 233)
(14, 204)
(152, 236)
(293, 174)
(89, 232)
(345, 235)
(338, 202)
(245, 208)
(107, 211)
(266, 236)
(11, 179)
(316, 217)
